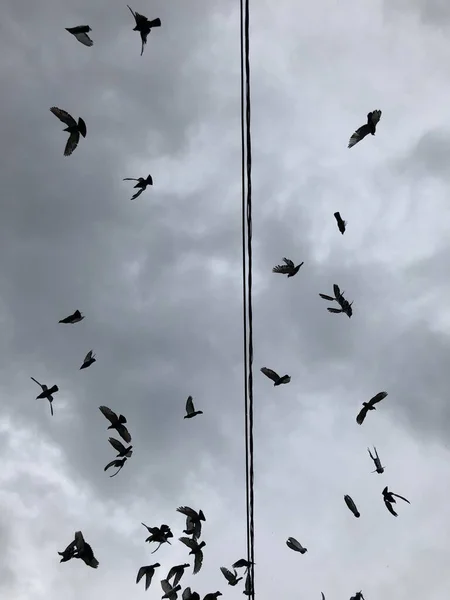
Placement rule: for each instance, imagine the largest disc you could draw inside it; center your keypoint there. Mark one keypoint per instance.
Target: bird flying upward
(160, 535)
(370, 127)
(389, 499)
(190, 410)
(89, 359)
(76, 317)
(340, 222)
(193, 521)
(81, 33)
(177, 573)
(144, 26)
(73, 128)
(295, 545)
(376, 459)
(117, 422)
(275, 377)
(117, 462)
(232, 578)
(141, 184)
(369, 406)
(79, 548)
(196, 550)
(46, 392)
(288, 269)
(122, 451)
(148, 571)
(351, 505)
(170, 592)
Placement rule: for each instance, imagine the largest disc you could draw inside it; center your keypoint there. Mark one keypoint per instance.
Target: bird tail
(155, 23)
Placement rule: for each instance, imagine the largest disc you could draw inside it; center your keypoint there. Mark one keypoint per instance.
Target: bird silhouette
(232, 578)
(81, 33)
(188, 595)
(177, 573)
(351, 505)
(242, 562)
(340, 222)
(295, 545)
(190, 410)
(121, 449)
(117, 462)
(148, 571)
(376, 459)
(248, 588)
(193, 521)
(357, 596)
(369, 406)
(212, 596)
(275, 377)
(159, 535)
(79, 548)
(144, 26)
(117, 423)
(76, 317)
(46, 393)
(73, 128)
(141, 184)
(89, 359)
(389, 499)
(196, 550)
(288, 269)
(370, 127)
(170, 592)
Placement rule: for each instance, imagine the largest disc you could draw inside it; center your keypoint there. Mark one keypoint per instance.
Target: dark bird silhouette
(369, 406)
(370, 127)
(148, 571)
(89, 359)
(193, 521)
(73, 128)
(46, 393)
(275, 377)
(357, 596)
(160, 535)
(346, 307)
(232, 578)
(141, 184)
(81, 33)
(144, 26)
(188, 595)
(190, 410)
(121, 449)
(79, 548)
(389, 499)
(117, 462)
(340, 222)
(293, 544)
(170, 592)
(248, 588)
(288, 269)
(76, 317)
(376, 459)
(351, 505)
(242, 562)
(196, 550)
(177, 573)
(117, 423)
(213, 596)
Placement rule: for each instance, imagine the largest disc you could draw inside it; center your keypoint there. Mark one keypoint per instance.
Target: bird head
(155, 565)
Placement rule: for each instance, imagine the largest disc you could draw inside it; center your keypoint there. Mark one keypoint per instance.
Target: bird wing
(377, 398)
(123, 432)
(336, 290)
(198, 562)
(188, 512)
(187, 594)
(293, 544)
(155, 23)
(138, 193)
(190, 406)
(325, 297)
(116, 445)
(108, 413)
(361, 415)
(359, 134)
(323, 595)
(132, 11)
(376, 116)
(289, 262)
(390, 509)
(84, 39)
(63, 116)
(39, 384)
(283, 269)
(270, 374)
(334, 310)
(401, 497)
(88, 356)
(227, 574)
(192, 544)
(72, 143)
(338, 218)
(167, 588)
(130, 179)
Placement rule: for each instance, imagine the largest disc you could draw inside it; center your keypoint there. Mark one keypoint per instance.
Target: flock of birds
(79, 548)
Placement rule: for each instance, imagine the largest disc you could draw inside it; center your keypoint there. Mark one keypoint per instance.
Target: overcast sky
(159, 282)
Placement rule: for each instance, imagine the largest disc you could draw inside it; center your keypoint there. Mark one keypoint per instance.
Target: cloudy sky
(159, 281)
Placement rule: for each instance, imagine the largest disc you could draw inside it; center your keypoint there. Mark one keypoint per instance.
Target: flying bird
(193, 521)
(376, 459)
(190, 410)
(340, 222)
(248, 588)
(76, 317)
(89, 359)
(160, 535)
(275, 377)
(148, 571)
(117, 423)
(213, 596)
(121, 449)
(188, 595)
(177, 573)
(293, 544)
(389, 499)
(117, 462)
(73, 128)
(81, 33)
(141, 184)
(369, 406)
(170, 592)
(370, 127)
(351, 505)
(46, 393)
(357, 596)
(242, 562)
(288, 269)
(79, 548)
(196, 550)
(144, 26)
(232, 578)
